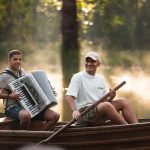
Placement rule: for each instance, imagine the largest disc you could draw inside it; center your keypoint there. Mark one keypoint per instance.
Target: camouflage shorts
(90, 117)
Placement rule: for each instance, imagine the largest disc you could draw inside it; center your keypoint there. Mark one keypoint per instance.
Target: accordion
(35, 90)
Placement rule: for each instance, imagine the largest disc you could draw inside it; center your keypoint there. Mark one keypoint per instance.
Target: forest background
(54, 35)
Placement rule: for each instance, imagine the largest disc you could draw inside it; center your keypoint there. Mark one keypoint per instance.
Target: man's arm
(70, 101)
(3, 95)
(75, 112)
(6, 95)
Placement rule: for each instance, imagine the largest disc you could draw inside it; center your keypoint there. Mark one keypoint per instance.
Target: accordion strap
(11, 73)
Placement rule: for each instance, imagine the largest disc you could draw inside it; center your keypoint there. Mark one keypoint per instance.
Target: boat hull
(135, 136)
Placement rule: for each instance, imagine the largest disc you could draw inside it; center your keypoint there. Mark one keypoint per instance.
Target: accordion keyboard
(26, 100)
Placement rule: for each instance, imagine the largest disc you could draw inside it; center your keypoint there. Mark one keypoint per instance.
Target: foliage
(85, 13)
(113, 24)
(28, 20)
(121, 24)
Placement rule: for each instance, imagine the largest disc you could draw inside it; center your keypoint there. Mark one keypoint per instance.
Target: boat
(101, 137)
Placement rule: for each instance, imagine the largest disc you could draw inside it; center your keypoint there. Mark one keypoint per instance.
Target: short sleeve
(73, 88)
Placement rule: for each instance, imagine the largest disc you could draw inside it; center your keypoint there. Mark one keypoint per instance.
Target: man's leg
(51, 119)
(124, 106)
(19, 113)
(25, 119)
(107, 110)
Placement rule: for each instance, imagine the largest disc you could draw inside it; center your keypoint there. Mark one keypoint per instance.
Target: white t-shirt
(86, 89)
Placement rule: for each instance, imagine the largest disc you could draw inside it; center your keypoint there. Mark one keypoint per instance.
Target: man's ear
(98, 63)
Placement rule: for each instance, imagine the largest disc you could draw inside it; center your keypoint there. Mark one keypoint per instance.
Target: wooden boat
(102, 137)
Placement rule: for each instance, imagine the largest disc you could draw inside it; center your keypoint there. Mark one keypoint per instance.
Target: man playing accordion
(11, 100)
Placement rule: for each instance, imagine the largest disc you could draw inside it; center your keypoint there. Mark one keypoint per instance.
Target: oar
(104, 98)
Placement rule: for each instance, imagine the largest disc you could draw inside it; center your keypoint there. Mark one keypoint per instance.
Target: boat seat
(4, 120)
(7, 123)
(108, 122)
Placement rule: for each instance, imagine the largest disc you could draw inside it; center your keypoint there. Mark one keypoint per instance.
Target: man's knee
(24, 115)
(52, 116)
(56, 116)
(104, 107)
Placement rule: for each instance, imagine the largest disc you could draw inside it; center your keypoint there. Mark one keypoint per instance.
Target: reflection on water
(138, 84)
(136, 90)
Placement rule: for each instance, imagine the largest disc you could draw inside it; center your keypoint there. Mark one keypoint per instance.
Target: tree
(70, 46)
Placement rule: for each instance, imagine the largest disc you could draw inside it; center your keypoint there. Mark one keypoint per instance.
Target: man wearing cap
(86, 87)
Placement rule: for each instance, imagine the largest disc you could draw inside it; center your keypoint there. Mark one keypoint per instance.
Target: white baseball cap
(95, 56)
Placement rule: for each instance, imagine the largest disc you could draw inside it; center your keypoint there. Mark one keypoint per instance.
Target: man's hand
(14, 96)
(76, 114)
(111, 96)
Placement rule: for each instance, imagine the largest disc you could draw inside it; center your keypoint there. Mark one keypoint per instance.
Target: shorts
(90, 117)
(13, 111)
(40, 116)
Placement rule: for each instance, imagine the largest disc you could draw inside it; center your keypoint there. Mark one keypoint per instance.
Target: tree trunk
(70, 48)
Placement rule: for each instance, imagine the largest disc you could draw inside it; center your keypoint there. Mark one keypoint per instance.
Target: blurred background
(54, 35)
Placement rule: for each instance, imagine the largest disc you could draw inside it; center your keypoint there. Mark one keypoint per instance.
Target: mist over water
(137, 79)
(136, 90)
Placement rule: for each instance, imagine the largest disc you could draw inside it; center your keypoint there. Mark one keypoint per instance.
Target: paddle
(104, 98)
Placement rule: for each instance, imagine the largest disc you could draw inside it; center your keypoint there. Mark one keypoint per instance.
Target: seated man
(11, 103)
(86, 87)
